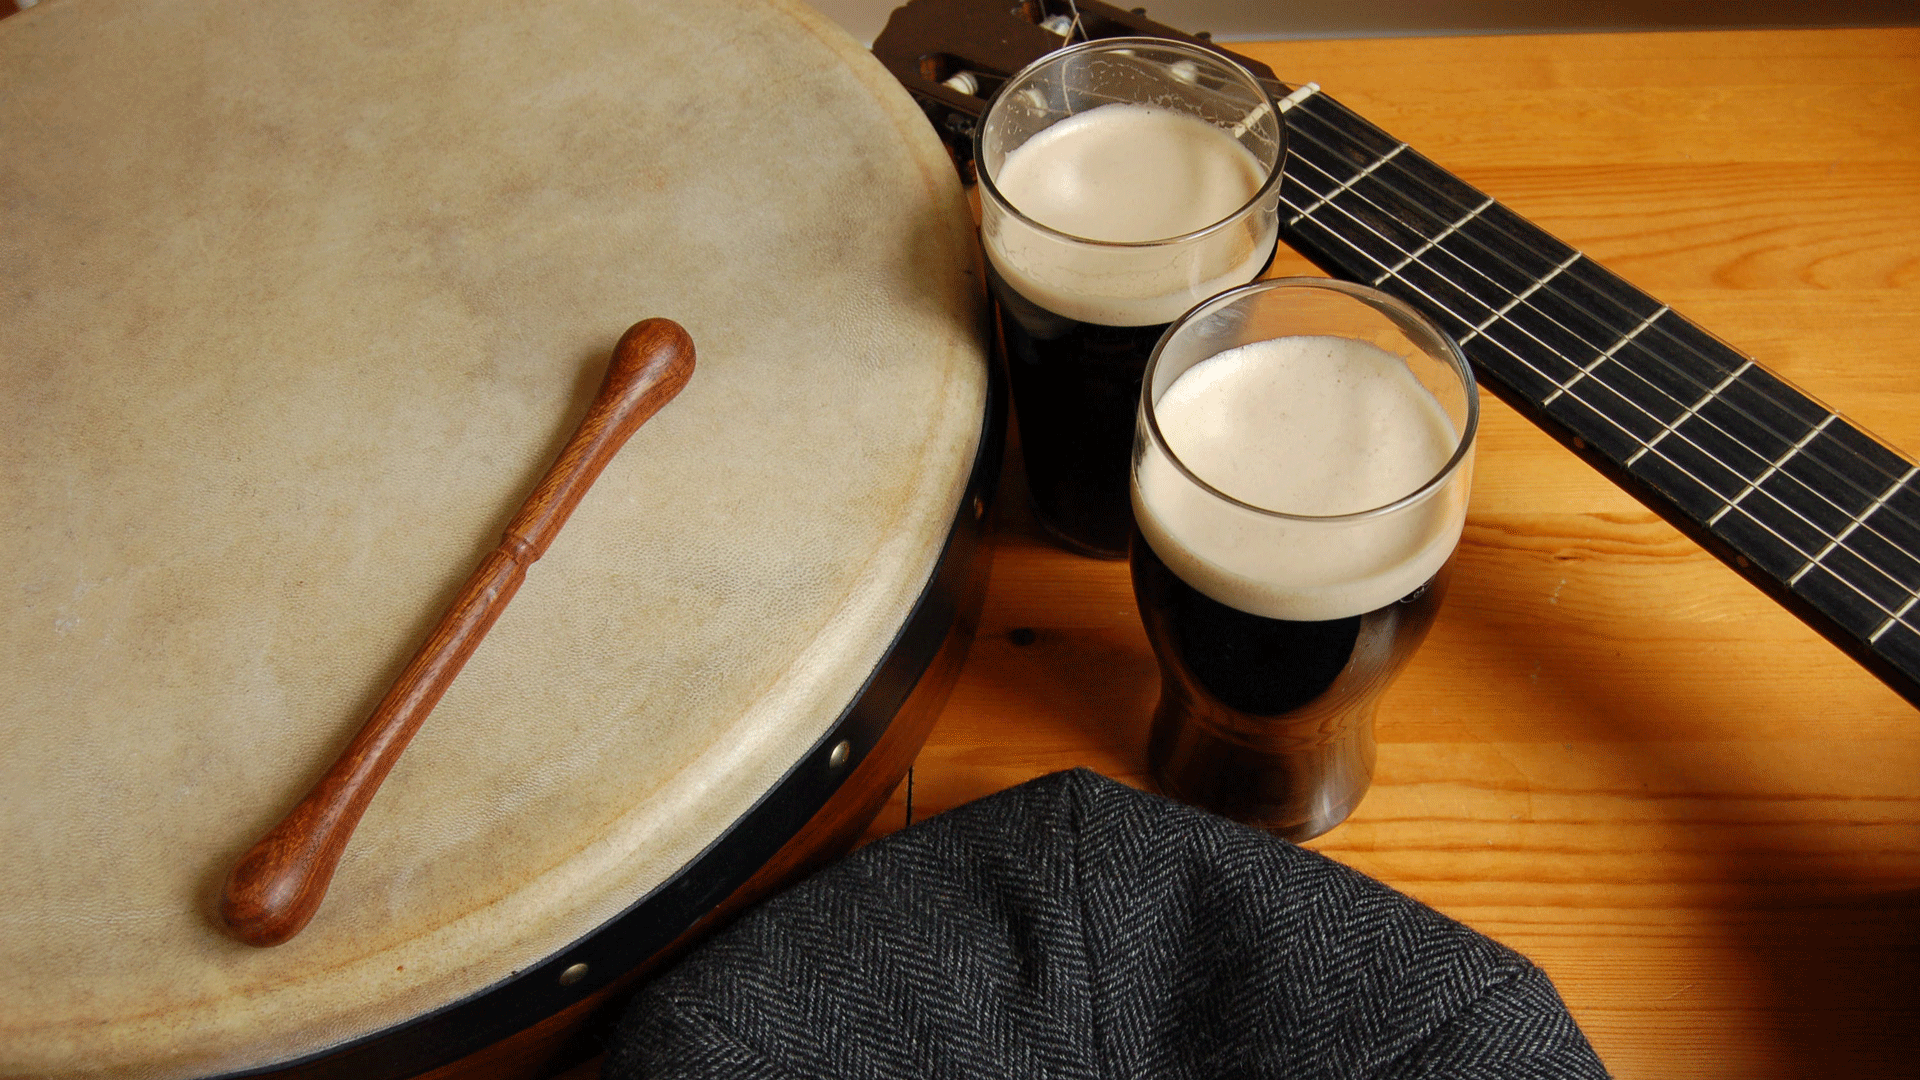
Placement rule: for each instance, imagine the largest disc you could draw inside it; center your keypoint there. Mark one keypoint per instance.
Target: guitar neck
(1807, 506)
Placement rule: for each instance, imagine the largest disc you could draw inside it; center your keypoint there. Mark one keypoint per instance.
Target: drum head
(299, 301)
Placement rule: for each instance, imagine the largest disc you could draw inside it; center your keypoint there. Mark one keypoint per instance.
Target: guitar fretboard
(1810, 507)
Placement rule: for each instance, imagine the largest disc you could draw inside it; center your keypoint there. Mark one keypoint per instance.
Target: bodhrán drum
(300, 300)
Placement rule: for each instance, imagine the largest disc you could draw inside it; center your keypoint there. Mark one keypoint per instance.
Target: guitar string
(1890, 615)
(1874, 497)
(1833, 542)
(1895, 615)
(1888, 477)
(1856, 521)
(1668, 427)
(1864, 523)
(1496, 315)
(1685, 346)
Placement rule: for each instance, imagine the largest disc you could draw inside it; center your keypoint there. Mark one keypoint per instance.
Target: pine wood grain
(1612, 754)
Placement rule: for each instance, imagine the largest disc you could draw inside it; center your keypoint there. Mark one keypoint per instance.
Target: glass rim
(1447, 348)
(1115, 44)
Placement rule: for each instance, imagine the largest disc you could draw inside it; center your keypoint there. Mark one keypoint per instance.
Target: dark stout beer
(1077, 387)
(1296, 517)
(1105, 219)
(1227, 676)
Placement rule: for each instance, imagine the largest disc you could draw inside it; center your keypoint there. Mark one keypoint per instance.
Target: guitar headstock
(953, 54)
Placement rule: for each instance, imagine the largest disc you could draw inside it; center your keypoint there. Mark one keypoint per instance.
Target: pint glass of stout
(1300, 471)
(1122, 181)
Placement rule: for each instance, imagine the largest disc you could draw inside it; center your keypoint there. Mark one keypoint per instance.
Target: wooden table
(1612, 754)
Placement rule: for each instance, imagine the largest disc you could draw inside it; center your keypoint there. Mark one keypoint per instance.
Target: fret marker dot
(1741, 560)
(1579, 443)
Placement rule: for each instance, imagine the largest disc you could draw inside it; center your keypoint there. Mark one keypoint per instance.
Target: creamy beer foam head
(1126, 173)
(1129, 173)
(1311, 426)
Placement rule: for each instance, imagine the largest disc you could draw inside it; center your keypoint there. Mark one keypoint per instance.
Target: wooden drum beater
(278, 884)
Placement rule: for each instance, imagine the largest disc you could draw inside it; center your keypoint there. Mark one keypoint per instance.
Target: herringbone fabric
(1075, 928)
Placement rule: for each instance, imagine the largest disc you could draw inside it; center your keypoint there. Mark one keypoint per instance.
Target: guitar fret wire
(1681, 345)
(1348, 185)
(1682, 469)
(1754, 485)
(1898, 618)
(1435, 242)
(1509, 305)
(1306, 91)
(1691, 409)
(1608, 355)
(1892, 490)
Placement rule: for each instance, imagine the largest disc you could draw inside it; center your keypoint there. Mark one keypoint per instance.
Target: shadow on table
(1824, 908)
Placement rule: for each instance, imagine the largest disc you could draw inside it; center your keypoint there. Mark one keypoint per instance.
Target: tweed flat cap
(1073, 927)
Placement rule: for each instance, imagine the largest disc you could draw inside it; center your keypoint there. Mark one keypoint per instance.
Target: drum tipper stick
(277, 885)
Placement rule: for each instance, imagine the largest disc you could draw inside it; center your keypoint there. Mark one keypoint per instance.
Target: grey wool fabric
(1073, 927)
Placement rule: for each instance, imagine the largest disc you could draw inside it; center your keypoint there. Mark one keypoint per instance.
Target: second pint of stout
(1298, 499)
(1122, 182)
